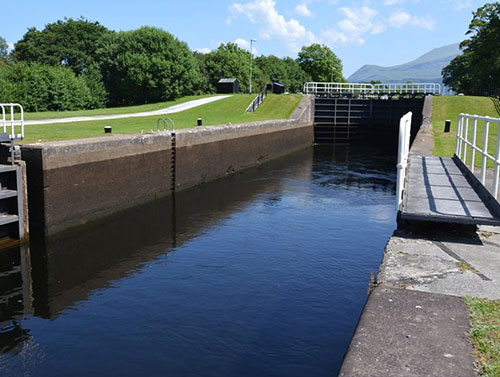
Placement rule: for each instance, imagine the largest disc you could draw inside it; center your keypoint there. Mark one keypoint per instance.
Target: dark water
(261, 274)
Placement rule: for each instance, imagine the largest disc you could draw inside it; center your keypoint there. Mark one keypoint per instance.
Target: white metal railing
(403, 152)
(337, 87)
(416, 88)
(346, 87)
(257, 101)
(8, 120)
(463, 144)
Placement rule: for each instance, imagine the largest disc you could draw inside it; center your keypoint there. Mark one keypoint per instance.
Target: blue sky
(383, 32)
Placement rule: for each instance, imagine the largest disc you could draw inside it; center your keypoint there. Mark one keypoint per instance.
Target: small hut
(228, 86)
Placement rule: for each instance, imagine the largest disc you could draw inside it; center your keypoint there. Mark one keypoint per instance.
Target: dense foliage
(477, 69)
(320, 63)
(68, 42)
(285, 71)
(80, 64)
(230, 61)
(147, 65)
(39, 87)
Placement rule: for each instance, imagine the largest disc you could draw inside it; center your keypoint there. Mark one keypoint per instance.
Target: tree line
(80, 64)
(477, 70)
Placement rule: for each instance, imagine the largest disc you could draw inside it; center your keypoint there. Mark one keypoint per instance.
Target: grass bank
(485, 334)
(445, 107)
(225, 111)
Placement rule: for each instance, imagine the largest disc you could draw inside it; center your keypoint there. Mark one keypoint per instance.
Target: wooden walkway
(443, 189)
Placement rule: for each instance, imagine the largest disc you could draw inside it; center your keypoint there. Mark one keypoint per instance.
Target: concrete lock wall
(76, 181)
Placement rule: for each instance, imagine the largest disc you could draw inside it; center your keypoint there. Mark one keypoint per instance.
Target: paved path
(168, 110)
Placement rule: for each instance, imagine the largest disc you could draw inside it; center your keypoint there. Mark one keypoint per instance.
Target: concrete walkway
(415, 322)
(169, 110)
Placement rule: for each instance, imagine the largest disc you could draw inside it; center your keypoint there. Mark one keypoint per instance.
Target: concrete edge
(424, 141)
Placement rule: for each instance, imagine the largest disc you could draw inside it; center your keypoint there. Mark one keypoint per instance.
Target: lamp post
(251, 58)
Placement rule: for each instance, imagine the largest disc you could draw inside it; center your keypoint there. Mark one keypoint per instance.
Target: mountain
(426, 68)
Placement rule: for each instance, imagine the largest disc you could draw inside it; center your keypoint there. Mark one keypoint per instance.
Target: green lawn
(225, 111)
(448, 107)
(111, 110)
(485, 334)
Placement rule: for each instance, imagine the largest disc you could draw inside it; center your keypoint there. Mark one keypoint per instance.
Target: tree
(230, 61)
(67, 42)
(477, 69)
(319, 62)
(147, 65)
(40, 87)
(285, 71)
(4, 50)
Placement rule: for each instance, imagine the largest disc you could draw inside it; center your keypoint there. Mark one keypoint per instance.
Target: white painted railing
(346, 87)
(464, 144)
(416, 88)
(337, 87)
(403, 152)
(9, 120)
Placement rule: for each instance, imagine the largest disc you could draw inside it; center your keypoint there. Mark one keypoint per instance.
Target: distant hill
(426, 68)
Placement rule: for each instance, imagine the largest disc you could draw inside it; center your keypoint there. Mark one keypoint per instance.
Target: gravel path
(168, 110)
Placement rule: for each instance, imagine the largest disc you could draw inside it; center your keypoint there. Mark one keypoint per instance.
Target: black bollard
(199, 122)
(447, 125)
(107, 129)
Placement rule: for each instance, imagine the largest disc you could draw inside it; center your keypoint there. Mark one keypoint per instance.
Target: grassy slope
(448, 108)
(485, 334)
(110, 110)
(228, 110)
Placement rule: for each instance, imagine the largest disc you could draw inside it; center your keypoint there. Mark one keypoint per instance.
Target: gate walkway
(445, 189)
(441, 189)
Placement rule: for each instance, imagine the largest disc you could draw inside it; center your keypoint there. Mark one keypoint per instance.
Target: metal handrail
(165, 122)
(463, 142)
(363, 88)
(12, 122)
(406, 88)
(337, 87)
(257, 101)
(403, 153)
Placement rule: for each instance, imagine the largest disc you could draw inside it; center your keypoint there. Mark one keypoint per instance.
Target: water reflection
(274, 232)
(70, 266)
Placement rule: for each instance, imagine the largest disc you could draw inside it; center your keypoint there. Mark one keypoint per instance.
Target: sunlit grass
(485, 334)
(448, 107)
(225, 111)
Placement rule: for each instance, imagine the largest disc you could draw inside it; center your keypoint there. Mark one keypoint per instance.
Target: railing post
(458, 145)
(485, 150)
(403, 150)
(473, 151)
(497, 167)
(465, 140)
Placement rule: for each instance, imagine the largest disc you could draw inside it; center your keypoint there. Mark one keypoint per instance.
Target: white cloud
(204, 50)
(245, 44)
(303, 10)
(393, 2)
(272, 24)
(356, 22)
(354, 25)
(401, 18)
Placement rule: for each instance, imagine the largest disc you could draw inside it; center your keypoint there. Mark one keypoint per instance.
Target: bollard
(199, 122)
(107, 129)
(447, 125)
